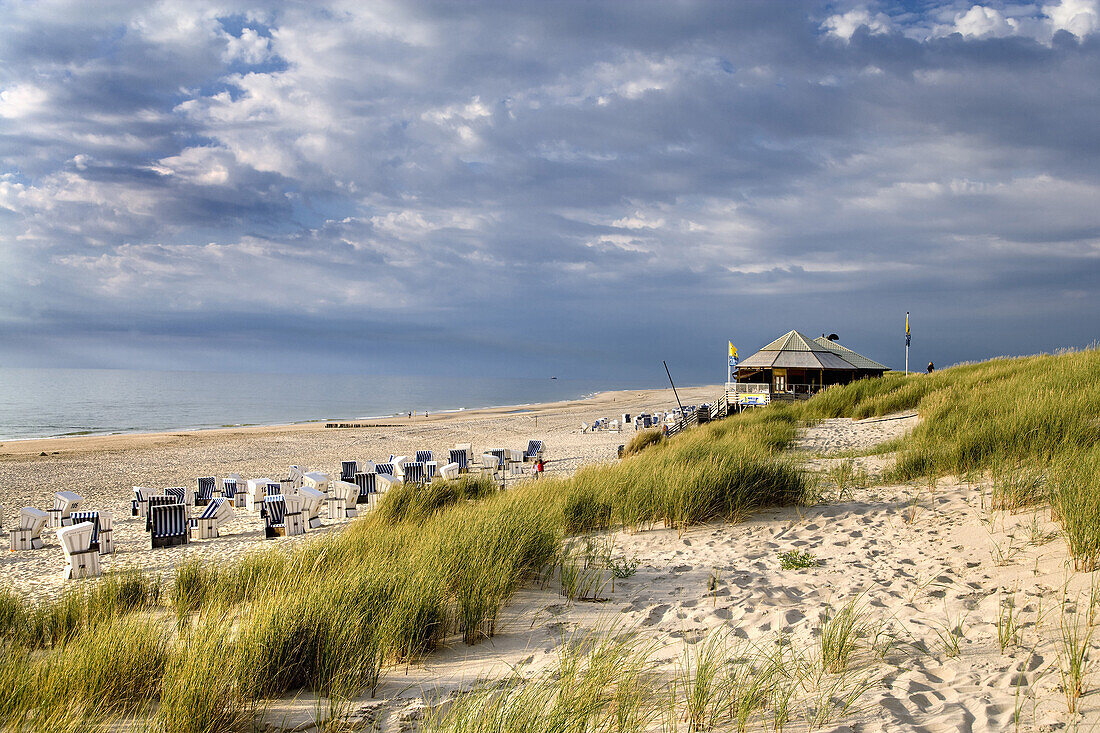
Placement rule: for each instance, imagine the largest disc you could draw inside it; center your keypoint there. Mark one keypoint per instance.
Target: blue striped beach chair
(206, 524)
(462, 458)
(157, 501)
(423, 456)
(205, 491)
(274, 512)
(534, 450)
(348, 469)
(178, 492)
(229, 489)
(273, 489)
(386, 468)
(367, 487)
(92, 517)
(414, 473)
(431, 468)
(168, 524)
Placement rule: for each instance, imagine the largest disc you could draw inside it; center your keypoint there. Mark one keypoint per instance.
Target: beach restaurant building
(795, 364)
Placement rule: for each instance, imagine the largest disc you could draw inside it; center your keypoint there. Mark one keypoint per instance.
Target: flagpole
(907, 343)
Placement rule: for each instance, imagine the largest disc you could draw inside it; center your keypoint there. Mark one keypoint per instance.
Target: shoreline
(46, 442)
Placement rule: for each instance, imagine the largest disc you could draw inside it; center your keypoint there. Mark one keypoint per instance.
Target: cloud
(630, 181)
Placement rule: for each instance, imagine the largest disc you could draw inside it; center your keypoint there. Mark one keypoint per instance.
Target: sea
(40, 403)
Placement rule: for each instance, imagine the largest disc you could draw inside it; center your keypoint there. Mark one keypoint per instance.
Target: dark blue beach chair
(167, 524)
(205, 491)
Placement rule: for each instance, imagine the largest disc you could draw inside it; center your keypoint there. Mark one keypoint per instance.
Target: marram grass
(330, 613)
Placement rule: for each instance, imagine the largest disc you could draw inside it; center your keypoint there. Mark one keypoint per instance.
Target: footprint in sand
(656, 614)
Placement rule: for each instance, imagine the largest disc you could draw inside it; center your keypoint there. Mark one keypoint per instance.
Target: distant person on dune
(931, 367)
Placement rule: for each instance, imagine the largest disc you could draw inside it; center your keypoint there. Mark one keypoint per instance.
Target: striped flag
(908, 336)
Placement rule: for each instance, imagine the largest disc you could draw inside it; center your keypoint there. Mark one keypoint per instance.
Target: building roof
(796, 350)
(859, 361)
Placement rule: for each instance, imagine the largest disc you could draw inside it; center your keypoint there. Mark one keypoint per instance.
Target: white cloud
(844, 25)
(1079, 17)
(982, 22)
(21, 101)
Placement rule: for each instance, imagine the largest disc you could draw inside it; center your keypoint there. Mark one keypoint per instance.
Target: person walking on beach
(931, 367)
(537, 470)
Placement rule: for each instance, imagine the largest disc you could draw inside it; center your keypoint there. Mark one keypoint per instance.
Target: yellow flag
(733, 350)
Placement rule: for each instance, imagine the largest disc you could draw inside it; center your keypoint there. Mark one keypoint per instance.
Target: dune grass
(1031, 423)
(330, 614)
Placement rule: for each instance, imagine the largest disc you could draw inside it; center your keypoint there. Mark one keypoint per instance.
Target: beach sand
(103, 469)
(927, 563)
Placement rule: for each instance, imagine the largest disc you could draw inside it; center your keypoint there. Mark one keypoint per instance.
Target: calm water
(37, 403)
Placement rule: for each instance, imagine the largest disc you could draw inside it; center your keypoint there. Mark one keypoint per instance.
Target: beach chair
(287, 487)
(178, 492)
(272, 513)
(501, 456)
(294, 518)
(584, 428)
(64, 504)
(423, 456)
(229, 489)
(207, 525)
(81, 559)
(204, 492)
(255, 492)
(282, 516)
(312, 501)
(106, 533)
(316, 480)
(139, 505)
(158, 501)
(97, 531)
(383, 482)
(368, 487)
(168, 524)
(348, 469)
(27, 534)
(534, 450)
(461, 458)
(342, 500)
(431, 469)
(294, 475)
(414, 473)
(273, 488)
(386, 468)
(450, 471)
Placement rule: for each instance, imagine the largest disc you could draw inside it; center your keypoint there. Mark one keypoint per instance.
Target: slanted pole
(673, 388)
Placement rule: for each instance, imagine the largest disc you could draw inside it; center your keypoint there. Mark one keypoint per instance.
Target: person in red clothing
(539, 464)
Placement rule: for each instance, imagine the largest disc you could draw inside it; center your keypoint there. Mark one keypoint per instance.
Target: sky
(578, 189)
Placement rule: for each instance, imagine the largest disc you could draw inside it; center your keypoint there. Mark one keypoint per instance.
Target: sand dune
(930, 566)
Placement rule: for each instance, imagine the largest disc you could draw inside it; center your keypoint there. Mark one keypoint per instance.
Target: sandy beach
(103, 469)
(930, 565)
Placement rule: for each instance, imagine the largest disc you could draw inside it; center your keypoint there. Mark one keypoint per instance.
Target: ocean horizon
(57, 402)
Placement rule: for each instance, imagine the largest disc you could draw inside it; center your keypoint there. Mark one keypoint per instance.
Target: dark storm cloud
(575, 187)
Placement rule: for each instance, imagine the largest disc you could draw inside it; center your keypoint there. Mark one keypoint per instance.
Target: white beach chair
(316, 480)
(384, 482)
(82, 561)
(293, 519)
(431, 468)
(342, 500)
(27, 535)
(514, 456)
(312, 501)
(256, 490)
(207, 525)
(398, 463)
(139, 506)
(450, 471)
(295, 474)
(235, 488)
(64, 504)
